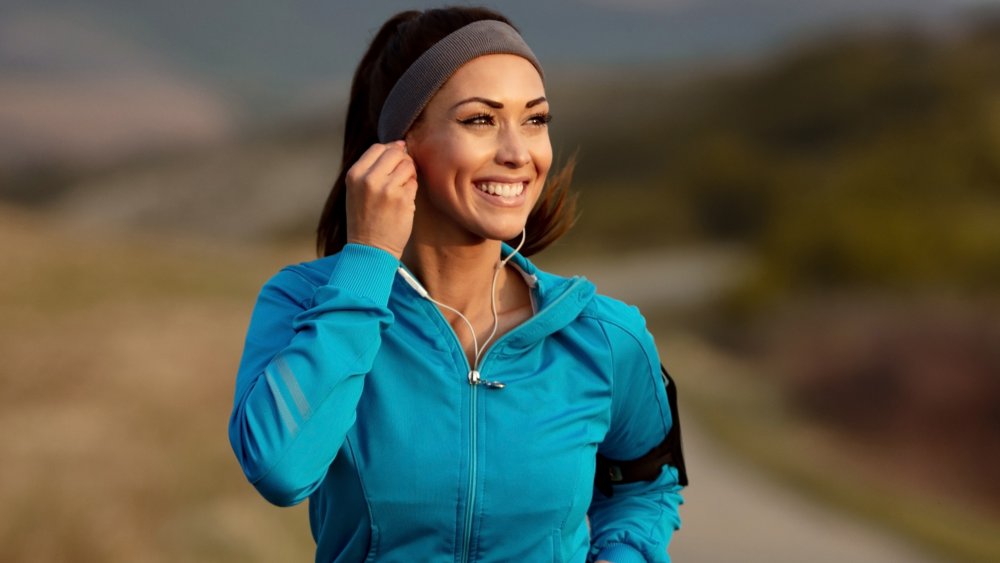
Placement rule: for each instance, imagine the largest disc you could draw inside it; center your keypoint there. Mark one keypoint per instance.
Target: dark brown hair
(400, 41)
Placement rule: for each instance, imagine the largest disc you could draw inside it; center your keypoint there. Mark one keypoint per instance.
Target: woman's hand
(381, 188)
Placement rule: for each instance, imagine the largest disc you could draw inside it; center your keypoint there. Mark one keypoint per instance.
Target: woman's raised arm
(307, 352)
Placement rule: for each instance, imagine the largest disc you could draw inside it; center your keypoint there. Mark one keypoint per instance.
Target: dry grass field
(118, 366)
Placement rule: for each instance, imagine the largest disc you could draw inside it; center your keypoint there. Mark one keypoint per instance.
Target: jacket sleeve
(636, 522)
(307, 352)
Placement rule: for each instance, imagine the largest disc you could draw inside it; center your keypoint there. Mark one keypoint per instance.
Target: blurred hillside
(870, 161)
(264, 187)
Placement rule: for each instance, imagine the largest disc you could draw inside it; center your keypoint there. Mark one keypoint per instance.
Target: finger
(370, 156)
(411, 186)
(387, 162)
(402, 173)
(406, 162)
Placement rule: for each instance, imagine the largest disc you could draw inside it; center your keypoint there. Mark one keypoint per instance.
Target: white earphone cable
(493, 296)
(474, 378)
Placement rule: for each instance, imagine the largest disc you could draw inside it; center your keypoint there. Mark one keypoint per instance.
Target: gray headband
(432, 69)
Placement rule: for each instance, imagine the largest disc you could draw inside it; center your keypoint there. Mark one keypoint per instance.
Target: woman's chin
(502, 226)
(504, 233)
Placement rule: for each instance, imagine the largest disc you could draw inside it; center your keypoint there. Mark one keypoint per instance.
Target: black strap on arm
(647, 467)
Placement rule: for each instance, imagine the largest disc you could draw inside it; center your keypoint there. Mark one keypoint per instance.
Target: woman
(434, 395)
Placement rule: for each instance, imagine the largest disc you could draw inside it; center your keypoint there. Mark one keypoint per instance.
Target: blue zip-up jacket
(353, 392)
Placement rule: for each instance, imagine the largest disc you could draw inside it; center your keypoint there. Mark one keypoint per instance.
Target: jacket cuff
(621, 553)
(365, 271)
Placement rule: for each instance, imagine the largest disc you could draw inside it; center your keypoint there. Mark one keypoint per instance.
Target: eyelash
(541, 119)
(485, 119)
(480, 119)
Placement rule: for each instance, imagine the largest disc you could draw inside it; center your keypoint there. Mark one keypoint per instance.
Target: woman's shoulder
(614, 312)
(597, 307)
(624, 331)
(634, 354)
(316, 272)
(299, 281)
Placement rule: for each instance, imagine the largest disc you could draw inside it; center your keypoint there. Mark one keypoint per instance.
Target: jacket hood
(560, 301)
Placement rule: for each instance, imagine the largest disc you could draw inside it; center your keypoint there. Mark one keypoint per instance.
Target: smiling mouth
(500, 189)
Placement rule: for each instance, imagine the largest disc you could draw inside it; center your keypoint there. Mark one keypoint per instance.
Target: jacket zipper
(470, 497)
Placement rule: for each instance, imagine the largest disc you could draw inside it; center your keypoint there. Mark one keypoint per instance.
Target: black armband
(647, 468)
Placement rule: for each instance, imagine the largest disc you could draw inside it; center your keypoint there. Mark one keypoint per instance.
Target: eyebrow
(495, 104)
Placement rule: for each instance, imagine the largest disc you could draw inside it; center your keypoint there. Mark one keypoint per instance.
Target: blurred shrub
(905, 382)
(860, 161)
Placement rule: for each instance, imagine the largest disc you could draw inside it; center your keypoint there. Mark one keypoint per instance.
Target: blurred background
(803, 197)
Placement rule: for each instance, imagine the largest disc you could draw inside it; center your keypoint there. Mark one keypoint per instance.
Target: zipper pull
(476, 379)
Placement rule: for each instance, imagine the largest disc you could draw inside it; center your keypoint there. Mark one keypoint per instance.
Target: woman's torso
(436, 469)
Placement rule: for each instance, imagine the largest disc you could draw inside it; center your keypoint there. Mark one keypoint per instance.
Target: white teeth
(502, 190)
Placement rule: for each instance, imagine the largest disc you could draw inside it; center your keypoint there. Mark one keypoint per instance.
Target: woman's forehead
(497, 77)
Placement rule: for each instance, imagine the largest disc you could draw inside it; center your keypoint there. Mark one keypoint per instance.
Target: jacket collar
(560, 301)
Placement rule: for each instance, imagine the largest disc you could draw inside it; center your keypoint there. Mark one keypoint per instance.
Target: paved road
(733, 513)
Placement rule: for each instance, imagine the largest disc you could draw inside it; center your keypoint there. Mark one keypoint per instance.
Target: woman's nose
(512, 149)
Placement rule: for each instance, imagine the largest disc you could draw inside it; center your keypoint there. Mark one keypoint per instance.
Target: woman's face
(481, 148)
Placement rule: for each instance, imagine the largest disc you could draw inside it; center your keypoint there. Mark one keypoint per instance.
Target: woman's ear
(411, 142)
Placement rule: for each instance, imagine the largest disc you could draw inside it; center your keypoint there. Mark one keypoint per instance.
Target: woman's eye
(540, 119)
(482, 119)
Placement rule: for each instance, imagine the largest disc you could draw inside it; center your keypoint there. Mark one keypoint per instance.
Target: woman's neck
(459, 275)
